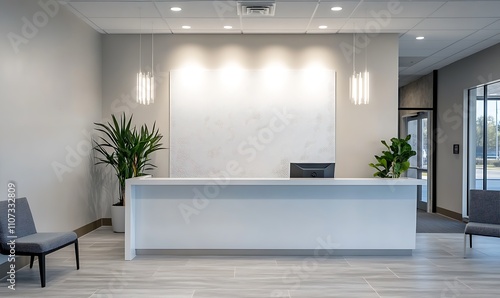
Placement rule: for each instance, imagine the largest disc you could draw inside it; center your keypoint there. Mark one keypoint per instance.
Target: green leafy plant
(126, 149)
(395, 160)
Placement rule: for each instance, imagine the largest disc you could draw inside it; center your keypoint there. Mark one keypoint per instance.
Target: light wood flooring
(436, 269)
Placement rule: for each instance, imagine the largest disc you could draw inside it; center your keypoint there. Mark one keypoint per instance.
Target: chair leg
(470, 240)
(465, 244)
(32, 259)
(77, 255)
(41, 262)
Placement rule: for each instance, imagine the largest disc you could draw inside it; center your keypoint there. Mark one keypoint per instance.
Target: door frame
(431, 148)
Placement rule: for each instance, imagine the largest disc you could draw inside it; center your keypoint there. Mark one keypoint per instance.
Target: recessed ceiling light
(419, 37)
(228, 27)
(322, 27)
(336, 8)
(186, 27)
(175, 8)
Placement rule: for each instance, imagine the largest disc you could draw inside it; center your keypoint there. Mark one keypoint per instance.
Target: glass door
(484, 137)
(417, 125)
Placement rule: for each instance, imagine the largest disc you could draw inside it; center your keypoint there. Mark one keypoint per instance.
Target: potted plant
(126, 149)
(395, 160)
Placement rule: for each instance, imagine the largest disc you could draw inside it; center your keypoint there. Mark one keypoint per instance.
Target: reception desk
(359, 216)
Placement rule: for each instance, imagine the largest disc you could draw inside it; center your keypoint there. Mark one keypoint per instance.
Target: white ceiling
(452, 29)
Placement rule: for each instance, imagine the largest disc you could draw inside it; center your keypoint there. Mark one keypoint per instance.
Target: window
(484, 137)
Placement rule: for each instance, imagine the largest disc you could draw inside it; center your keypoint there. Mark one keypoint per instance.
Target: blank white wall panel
(250, 123)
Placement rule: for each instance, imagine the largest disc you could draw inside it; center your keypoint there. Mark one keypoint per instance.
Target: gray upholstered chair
(28, 241)
(484, 215)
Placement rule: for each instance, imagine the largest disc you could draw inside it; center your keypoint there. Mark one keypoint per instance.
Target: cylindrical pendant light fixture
(359, 83)
(145, 80)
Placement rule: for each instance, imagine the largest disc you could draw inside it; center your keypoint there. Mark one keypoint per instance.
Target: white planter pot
(118, 218)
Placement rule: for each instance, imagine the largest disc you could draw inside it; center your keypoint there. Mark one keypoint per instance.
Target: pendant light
(359, 83)
(145, 80)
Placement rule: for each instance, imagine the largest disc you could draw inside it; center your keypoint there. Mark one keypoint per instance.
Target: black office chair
(28, 241)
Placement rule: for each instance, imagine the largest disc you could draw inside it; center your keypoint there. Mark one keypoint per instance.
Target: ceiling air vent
(256, 8)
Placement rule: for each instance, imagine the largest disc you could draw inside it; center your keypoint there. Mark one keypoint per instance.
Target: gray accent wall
(50, 94)
(453, 82)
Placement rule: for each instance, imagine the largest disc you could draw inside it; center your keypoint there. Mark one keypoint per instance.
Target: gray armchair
(484, 215)
(28, 241)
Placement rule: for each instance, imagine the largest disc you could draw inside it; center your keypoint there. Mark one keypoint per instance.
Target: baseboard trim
(321, 253)
(106, 221)
(88, 228)
(92, 226)
(449, 213)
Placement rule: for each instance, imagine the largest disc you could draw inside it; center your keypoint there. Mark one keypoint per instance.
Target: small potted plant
(127, 150)
(395, 160)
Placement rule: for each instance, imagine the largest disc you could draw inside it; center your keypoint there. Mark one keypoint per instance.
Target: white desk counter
(359, 216)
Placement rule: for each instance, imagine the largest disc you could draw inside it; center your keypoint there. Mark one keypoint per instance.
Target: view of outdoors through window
(485, 137)
(417, 128)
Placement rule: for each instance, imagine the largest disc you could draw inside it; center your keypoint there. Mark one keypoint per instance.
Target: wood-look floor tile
(144, 293)
(330, 293)
(238, 293)
(436, 269)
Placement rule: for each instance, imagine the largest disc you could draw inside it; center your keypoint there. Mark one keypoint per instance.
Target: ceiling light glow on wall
(176, 9)
(232, 75)
(145, 80)
(359, 83)
(336, 8)
(228, 27)
(419, 37)
(322, 27)
(186, 27)
(274, 75)
(314, 76)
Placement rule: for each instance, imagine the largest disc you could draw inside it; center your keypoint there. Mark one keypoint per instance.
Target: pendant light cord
(140, 41)
(354, 53)
(140, 52)
(152, 47)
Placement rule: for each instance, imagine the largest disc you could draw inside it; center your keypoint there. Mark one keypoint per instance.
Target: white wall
(359, 128)
(453, 79)
(50, 94)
